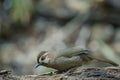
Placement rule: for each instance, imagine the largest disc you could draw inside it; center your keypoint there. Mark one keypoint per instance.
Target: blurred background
(30, 26)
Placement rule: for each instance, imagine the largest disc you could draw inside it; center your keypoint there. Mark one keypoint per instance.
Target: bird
(64, 59)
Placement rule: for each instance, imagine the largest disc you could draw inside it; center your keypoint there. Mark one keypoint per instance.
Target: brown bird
(66, 59)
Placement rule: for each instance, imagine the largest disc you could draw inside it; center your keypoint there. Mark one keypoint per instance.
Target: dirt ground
(106, 73)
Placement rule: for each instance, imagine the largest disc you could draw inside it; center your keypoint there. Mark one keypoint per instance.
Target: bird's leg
(65, 73)
(60, 72)
(70, 70)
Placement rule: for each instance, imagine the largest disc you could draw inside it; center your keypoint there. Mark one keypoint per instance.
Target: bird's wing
(69, 52)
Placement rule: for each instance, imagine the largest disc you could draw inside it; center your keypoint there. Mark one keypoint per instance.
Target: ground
(106, 73)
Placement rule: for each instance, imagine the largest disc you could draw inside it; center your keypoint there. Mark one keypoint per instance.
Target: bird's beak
(39, 64)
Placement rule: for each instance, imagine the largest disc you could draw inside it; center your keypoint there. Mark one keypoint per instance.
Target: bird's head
(42, 58)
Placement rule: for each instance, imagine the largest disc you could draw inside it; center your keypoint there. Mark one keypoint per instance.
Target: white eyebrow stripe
(45, 54)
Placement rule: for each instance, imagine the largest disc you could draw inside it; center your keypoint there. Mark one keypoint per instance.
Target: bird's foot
(60, 72)
(67, 72)
(71, 70)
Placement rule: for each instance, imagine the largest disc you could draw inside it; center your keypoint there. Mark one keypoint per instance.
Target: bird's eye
(43, 58)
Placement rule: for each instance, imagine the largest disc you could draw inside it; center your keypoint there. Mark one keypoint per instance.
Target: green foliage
(21, 10)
